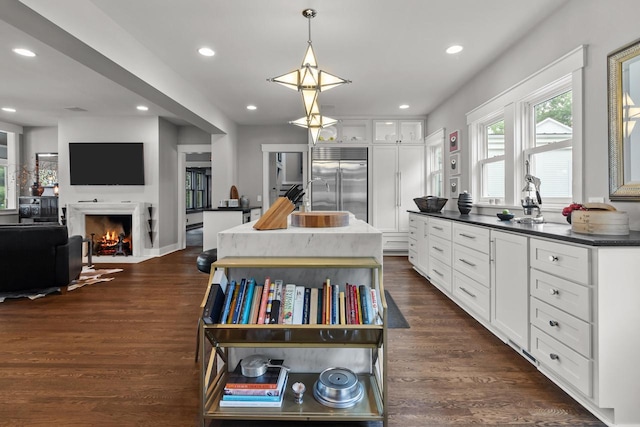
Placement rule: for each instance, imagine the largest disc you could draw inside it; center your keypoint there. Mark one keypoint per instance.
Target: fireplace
(109, 234)
(135, 227)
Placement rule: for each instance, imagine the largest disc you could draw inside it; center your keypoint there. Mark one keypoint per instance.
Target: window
(549, 144)
(197, 188)
(531, 124)
(435, 172)
(491, 161)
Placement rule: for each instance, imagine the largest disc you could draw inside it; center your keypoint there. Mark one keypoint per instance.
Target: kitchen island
(308, 257)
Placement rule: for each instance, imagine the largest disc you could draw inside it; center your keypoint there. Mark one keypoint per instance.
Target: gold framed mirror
(624, 129)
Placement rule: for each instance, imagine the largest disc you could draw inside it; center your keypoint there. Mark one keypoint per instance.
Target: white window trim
(432, 141)
(510, 102)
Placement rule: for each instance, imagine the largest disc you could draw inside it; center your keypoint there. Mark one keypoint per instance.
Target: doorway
(283, 165)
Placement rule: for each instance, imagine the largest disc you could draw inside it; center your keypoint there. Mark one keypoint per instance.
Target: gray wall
(36, 140)
(603, 26)
(168, 188)
(250, 140)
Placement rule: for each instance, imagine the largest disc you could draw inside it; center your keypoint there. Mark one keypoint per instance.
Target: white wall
(193, 135)
(602, 25)
(37, 140)
(250, 140)
(167, 221)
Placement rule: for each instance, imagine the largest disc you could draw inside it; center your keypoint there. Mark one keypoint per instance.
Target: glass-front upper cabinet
(346, 131)
(398, 131)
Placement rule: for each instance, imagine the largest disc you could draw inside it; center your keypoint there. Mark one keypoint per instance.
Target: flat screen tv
(106, 163)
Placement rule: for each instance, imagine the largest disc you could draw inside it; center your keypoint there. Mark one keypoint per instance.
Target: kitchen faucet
(307, 197)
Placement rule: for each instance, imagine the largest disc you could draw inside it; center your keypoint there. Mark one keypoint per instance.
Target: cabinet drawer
(573, 332)
(472, 237)
(440, 228)
(440, 273)
(413, 257)
(568, 296)
(471, 294)
(440, 249)
(566, 363)
(570, 262)
(472, 263)
(413, 221)
(413, 234)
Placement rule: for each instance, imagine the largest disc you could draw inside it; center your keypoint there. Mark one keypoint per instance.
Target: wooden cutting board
(320, 219)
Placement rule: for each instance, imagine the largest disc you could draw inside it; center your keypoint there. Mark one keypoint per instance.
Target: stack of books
(265, 391)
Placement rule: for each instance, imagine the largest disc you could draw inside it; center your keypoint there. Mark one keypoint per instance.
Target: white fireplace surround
(139, 231)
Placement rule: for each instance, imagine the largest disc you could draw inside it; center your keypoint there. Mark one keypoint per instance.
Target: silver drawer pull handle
(437, 272)
(467, 292)
(554, 291)
(553, 258)
(553, 323)
(437, 228)
(437, 249)
(467, 262)
(554, 356)
(467, 236)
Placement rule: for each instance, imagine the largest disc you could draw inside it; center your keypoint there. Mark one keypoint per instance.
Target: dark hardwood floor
(121, 353)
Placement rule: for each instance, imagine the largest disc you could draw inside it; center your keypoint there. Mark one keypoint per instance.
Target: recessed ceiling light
(9, 109)
(403, 106)
(24, 52)
(205, 51)
(142, 108)
(454, 49)
(251, 107)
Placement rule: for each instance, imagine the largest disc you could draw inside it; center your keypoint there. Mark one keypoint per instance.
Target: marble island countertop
(235, 208)
(548, 229)
(356, 239)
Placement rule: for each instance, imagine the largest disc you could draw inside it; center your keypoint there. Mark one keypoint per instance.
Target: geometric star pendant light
(310, 81)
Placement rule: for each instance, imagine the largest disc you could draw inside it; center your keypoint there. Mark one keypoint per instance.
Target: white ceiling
(392, 50)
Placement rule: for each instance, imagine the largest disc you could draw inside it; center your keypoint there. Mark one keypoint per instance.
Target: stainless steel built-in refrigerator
(344, 171)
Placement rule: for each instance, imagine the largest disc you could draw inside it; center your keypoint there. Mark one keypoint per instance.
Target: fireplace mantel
(139, 225)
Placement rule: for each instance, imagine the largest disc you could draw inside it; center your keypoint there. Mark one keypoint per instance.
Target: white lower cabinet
(570, 309)
(510, 286)
(419, 243)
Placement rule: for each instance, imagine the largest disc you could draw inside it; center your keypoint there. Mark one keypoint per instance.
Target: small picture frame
(454, 164)
(454, 187)
(454, 141)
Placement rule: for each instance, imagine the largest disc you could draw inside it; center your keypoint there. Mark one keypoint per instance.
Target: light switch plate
(596, 199)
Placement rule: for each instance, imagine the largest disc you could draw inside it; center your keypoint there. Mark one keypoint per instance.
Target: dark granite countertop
(239, 208)
(549, 230)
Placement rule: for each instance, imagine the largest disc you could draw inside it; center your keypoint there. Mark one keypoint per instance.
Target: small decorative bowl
(505, 217)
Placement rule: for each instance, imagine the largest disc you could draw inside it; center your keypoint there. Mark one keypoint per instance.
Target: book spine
(227, 302)
(335, 305)
(264, 301)
(215, 302)
(206, 312)
(251, 392)
(363, 304)
(343, 311)
(298, 305)
(288, 304)
(313, 306)
(369, 301)
(352, 305)
(251, 398)
(306, 306)
(275, 312)
(357, 304)
(239, 299)
(219, 278)
(267, 314)
(248, 300)
(279, 296)
(255, 304)
(319, 318)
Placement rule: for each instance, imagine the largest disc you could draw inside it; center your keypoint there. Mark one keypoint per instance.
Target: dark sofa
(38, 256)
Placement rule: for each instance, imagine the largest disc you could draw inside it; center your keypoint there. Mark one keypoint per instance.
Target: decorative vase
(34, 189)
(465, 203)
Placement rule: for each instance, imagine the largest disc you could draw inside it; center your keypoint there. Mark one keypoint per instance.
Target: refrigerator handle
(399, 189)
(341, 205)
(338, 195)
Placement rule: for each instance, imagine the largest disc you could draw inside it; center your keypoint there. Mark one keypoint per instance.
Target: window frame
(433, 142)
(558, 77)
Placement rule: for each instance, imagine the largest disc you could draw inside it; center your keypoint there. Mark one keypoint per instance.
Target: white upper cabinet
(398, 131)
(348, 131)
